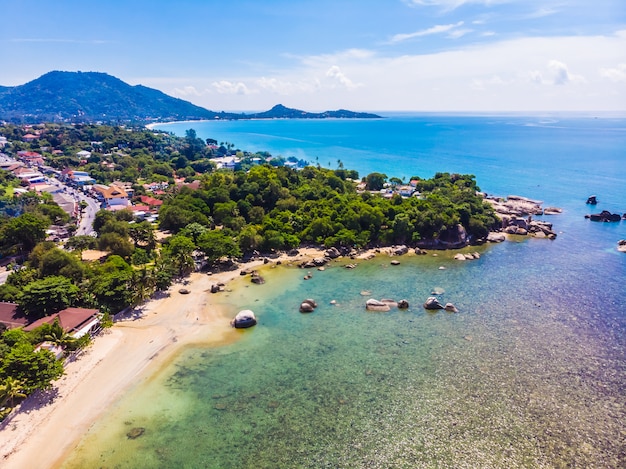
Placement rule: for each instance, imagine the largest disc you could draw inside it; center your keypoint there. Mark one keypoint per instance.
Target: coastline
(46, 428)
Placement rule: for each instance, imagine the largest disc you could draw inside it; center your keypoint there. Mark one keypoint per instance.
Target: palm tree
(10, 389)
(58, 336)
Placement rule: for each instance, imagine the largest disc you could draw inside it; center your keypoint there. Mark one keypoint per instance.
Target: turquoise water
(530, 373)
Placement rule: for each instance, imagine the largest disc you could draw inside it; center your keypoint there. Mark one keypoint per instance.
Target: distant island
(88, 97)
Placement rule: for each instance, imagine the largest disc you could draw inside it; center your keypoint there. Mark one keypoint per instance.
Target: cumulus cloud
(556, 73)
(336, 74)
(438, 29)
(229, 87)
(616, 74)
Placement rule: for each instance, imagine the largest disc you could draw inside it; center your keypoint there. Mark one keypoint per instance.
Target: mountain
(91, 96)
(94, 96)
(281, 112)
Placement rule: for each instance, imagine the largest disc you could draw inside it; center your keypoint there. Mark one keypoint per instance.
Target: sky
(362, 55)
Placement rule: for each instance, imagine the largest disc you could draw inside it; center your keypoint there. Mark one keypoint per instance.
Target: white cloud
(188, 91)
(557, 73)
(438, 29)
(616, 74)
(337, 75)
(457, 33)
(229, 87)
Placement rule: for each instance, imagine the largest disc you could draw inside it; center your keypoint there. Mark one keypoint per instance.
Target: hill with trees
(98, 97)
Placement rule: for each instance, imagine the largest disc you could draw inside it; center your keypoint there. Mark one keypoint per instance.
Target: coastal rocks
(332, 253)
(592, 200)
(450, 308)
(523, 227)
(467, 256)
(217, 287)
(621, 245)
(394, 262)
(552, 211)
(257, 279)
(244, 319)
(514, 205)
(604, 216)
(308, 306)
(403, 304)
(494, 237)
(420, 252)
(400, 250)
(378, 306)
(432, 303)
(184, 291)
(313, 263)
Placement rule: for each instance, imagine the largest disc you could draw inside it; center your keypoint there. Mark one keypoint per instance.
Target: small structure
(244, 319)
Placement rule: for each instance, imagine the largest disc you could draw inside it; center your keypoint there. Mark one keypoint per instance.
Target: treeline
(269, 209)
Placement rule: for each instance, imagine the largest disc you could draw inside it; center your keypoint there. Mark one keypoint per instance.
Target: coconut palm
(10, 389)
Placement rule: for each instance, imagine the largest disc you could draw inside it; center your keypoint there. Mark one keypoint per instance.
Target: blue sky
(413, 55)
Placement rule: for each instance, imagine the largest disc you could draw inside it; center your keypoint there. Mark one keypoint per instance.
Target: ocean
(531, 372)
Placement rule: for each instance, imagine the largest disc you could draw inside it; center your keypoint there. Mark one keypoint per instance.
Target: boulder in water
(375, 305)
(244, 319)
(451, 308)
(432, 303)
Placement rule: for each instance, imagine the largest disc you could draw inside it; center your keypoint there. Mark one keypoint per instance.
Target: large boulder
(332, 253)
(592, 200)
(451, 308)
(375, 305)
(244, 319)
(433, 303)
(403, 304)
(494, 237)
(621, 245)
(306, 307)
(400, 250)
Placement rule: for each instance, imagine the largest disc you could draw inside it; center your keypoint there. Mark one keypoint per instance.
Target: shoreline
(47, 427)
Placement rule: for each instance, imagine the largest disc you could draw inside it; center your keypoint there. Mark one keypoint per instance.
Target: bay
(529, 373)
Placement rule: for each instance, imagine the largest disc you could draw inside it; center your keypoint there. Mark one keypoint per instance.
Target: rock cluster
(433, 303)
(516, 214)
(605, 216)
(467, 257)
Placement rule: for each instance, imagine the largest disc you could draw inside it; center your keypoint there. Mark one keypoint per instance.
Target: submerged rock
(135, 432)
(432, 303)
(375, 305)
(403, 304)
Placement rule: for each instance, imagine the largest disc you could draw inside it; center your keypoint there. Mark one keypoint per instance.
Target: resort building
(112, 197)
(75, 321)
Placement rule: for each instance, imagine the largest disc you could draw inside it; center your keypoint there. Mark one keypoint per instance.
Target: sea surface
(530, 373)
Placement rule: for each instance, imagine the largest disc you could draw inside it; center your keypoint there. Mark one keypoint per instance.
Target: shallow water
(529, 373)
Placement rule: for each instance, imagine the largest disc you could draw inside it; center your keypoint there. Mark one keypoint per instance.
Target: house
(75, 321)
(111, 196)
(30, 137)
(83, 154)
(10, 317)
(151, 201)
(3, 141)
(30, 157)
(78, 178)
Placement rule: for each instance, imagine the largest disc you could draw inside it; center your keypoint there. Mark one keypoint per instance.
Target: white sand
(40, 434)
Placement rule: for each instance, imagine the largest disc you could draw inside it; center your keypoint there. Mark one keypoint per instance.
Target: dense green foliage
(278, 208)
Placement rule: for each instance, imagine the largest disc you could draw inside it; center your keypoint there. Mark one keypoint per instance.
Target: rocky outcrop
(621, 245)
(604, 216)
(400, 250)
(467, 257)
(433, 303)
(453, 238)
(592, 200)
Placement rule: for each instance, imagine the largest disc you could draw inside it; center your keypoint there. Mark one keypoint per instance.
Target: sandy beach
(45, 428)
